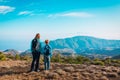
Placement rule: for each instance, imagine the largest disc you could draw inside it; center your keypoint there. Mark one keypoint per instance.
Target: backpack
(34, 42)
(47, 48)
(35, 45)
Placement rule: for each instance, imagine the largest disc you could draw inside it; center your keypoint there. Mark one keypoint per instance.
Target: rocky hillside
(18, 70)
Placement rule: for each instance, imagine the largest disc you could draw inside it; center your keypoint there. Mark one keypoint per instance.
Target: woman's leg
(37, 61)
(33, 61)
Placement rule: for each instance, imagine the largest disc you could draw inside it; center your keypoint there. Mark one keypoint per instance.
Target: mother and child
(37, 51)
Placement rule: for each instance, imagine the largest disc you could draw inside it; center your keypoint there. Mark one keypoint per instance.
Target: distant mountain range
(82, 45)
(85, 42)
(11, 51)
(27, 52)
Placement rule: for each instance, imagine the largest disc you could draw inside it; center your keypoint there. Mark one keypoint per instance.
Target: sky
(20, 20)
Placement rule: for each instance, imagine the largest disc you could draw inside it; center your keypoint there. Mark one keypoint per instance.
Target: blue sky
(20, 20)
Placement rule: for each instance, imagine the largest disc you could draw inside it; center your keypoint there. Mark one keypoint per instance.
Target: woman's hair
(46, 41)
(37, 35)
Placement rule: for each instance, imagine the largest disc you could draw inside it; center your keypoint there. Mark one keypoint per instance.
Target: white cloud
(6, 9)
(72, 14)
(25, 13)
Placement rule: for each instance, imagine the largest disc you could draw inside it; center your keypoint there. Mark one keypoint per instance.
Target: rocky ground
(18, 70)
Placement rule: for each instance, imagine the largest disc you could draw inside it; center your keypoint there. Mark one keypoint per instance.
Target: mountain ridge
(84, 42)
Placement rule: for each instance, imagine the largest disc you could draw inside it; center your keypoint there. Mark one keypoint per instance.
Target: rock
(45, 72)
(75, 74)
(94, 66)
(69, 69)
(98, 74)
(52, 75)
(33, 72)
(91, 71)
(83, 66)
(42, 67)
(58, 68)
(85, 78)
(103, 78)
(60, 72)
(76, 78)
(80, 70)
(112, 74)
(86, 74)
(95, 78)
(115, 70)
(119, 73)
(107, 69)
(25, 74)
(104, 73)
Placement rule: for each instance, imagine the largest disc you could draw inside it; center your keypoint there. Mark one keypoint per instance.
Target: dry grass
(18, 70)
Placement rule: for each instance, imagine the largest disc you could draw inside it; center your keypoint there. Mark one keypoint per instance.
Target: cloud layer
(6, 9)
(25, 13)
(72, 14)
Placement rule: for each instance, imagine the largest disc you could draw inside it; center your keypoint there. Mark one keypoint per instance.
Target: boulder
(112, 74)
(60, 72)
(103, 78)
(52, 75)
(69, 69)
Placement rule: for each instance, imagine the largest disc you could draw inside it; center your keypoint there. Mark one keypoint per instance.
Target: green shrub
(69, 60)
(26, 57)
(17, 57)
(96, 59)
(56, 58)
(115, 61)
(98, 63)
(2, 56)
(81, 59)
(9, 56)
(107, 61)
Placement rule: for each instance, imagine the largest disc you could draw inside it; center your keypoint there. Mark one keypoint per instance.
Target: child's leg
(45, 62)
(48, 63)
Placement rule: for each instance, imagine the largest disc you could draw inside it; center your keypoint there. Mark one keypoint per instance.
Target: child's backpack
(47, 50)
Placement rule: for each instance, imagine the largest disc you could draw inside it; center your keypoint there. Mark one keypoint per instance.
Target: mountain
(116, 57)
(27, 52)
(112, 52)
(86, 44)
(11, 51)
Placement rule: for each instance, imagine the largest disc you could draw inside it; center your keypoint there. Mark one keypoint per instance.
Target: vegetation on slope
(71, 60)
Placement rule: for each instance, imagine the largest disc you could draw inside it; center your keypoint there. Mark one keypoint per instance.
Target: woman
(36, 51)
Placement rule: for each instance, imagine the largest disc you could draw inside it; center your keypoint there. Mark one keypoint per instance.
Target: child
(47, 55)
